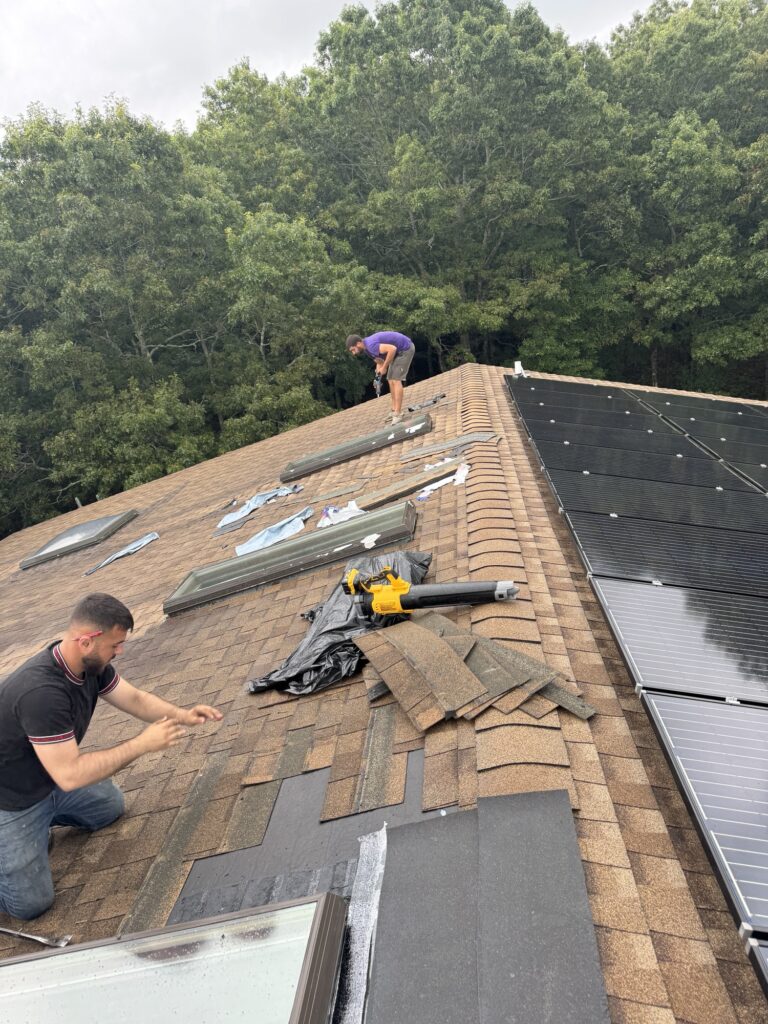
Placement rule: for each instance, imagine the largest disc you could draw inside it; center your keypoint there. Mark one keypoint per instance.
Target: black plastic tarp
(327, 655)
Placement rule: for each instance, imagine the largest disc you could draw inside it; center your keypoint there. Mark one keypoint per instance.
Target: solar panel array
(666, 497)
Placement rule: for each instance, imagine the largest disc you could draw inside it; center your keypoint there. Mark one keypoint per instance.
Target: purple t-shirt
(372, 342)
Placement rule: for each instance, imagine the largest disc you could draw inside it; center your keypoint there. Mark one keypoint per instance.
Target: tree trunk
(654, 365)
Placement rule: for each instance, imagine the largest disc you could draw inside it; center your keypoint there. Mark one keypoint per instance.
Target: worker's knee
(31, 906)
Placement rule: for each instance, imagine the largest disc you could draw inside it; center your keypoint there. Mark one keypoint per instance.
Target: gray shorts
(398, 368)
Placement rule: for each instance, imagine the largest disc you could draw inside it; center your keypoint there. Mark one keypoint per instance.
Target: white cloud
(159, 54)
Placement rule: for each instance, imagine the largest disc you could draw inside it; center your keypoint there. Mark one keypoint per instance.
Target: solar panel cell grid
(592, 417)
(679, 469)
(664, 502)
(684, 556)
(720, 753)
(663, 443)
(713, 644)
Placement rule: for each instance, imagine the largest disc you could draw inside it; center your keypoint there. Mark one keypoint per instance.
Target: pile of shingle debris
(437, 672)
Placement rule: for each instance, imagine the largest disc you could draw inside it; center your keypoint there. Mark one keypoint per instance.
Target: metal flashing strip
(452, 444)
(76, 538)
(719, 753)
(357, 446)
(372, 531)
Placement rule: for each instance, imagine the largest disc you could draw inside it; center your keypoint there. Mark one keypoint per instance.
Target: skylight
(357, 446)
(277, 965)
(84, 535)
(309, 550)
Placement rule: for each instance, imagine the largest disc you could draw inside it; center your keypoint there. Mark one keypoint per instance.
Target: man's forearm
(149, 707)
(101, 764)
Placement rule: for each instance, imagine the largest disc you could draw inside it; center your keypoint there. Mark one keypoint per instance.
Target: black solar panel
(639, 465)
(621, 420)
(598, 403)
(720, 754)
(758, 473)
(735, 451)
(692, 402)
(713, 644)
(525, 385)
(681, 556)
(661, 443)
(736, 417)
(708, 432)
(665, 502)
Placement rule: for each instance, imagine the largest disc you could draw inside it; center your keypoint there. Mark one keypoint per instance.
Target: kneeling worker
(393, 355)
(46, 706)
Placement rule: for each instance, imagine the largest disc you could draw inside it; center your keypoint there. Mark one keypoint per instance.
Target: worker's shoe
(397, 417)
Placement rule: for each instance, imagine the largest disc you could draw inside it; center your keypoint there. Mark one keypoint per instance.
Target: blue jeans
(26, 886)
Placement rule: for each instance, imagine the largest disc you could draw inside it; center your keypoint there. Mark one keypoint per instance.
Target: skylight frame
(305, 552)
(115, 523)
(318, 978)
(357, 446)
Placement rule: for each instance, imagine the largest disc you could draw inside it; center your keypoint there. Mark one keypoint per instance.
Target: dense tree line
(455, 170)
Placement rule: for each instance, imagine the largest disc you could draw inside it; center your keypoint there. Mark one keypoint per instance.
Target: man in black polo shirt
(46, 706)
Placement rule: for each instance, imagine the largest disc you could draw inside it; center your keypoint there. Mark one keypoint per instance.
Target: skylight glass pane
(242, 969)
(84, 535)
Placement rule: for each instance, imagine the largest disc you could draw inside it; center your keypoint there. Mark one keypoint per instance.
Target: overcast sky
(158, 54)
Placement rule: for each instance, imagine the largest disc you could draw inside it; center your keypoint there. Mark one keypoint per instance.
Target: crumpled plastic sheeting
(129, 550)
(456, 479)
(256, 502)
(332, 514)
(286, 528)
(327, 654)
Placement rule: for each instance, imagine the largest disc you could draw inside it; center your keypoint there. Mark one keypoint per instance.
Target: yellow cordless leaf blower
(388, 594)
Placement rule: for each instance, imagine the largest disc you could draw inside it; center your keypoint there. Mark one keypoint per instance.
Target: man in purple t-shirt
(393, 355)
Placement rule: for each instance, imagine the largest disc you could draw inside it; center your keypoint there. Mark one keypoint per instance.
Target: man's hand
(198, 714)
(160, 735)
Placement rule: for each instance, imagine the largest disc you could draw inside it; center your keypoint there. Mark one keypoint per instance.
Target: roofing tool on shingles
(377, 379)
(385, 593)
(45, 940)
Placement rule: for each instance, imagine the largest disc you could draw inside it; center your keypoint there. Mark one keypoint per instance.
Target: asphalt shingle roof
(669, 948)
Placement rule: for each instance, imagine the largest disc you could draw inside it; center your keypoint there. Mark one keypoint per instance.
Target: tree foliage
(455, 170)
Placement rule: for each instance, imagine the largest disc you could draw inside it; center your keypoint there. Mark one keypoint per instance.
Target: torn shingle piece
(436, 623)
(400, 487)
(520, 744)
(441, 781)
(297, 744)
(380, 779)
(538, 706)
(569, 701)
(339, 799)
(511, 701)
(449, 680)
(375, 686)
(461, 644)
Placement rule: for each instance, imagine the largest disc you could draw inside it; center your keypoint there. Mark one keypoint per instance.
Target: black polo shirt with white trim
(42, 702)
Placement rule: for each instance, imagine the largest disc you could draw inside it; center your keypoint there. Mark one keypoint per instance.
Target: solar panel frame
(713, 646)
(733, 737)
(758, 954)
(757, 473)
(660, 501)
(729, 561)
